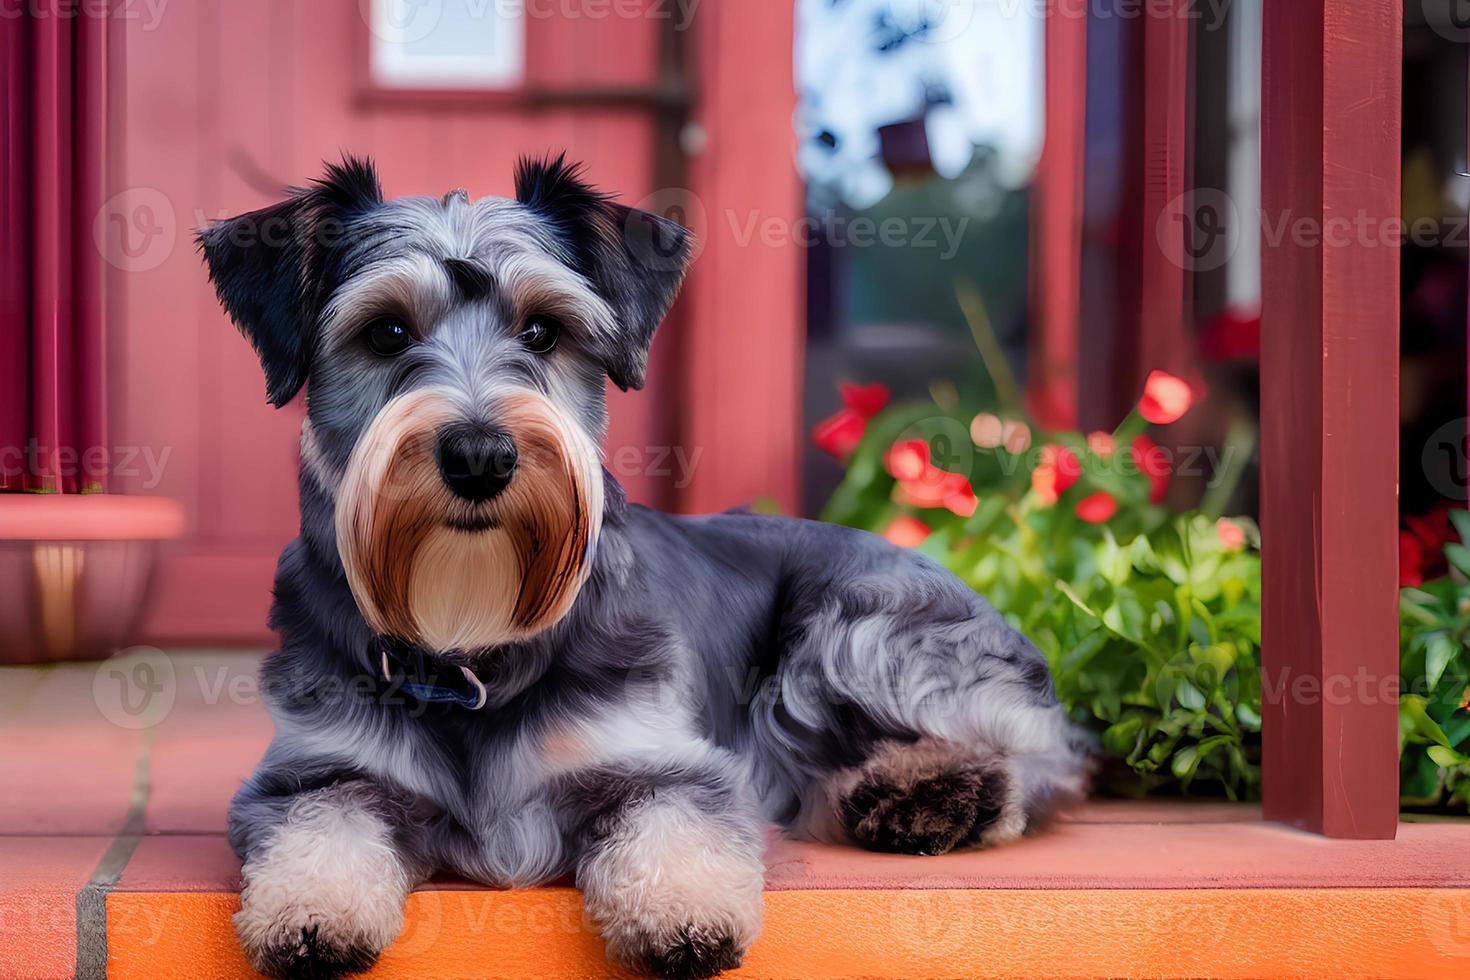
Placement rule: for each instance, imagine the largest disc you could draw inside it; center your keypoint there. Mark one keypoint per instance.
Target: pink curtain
(53, 434)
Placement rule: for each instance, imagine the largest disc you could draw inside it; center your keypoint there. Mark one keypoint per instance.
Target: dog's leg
(670, 866)
(324, 878)
(927, 797)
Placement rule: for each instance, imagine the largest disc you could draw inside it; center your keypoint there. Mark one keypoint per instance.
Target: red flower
(1433, 529)
(1431, 532)
(922, 484)
(906, 531)
(1232, 535)
(1411, 560)
(1058, 470)
(1153, 462)
(1016, 437)
(1102, 444)
(1098, 508)
(865, 400)
(987, 431)
(961, 499)
(1165, 398)
(907, 459)
(840, 434)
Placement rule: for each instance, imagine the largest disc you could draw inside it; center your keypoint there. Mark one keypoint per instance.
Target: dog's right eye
(387, 337)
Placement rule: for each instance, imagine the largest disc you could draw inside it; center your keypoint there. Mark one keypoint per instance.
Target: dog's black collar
(420, 683)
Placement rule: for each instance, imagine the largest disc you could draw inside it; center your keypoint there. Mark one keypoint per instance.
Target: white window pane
(459, 44)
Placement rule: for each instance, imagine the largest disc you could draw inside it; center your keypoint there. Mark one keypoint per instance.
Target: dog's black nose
(476, 463)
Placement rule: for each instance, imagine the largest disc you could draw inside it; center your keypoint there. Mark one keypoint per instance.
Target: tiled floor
(115, 778)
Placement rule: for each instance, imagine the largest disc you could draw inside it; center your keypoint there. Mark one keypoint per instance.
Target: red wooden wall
(226, 102)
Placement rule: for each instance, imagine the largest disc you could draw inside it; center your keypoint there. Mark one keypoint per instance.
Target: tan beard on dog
(417, 577)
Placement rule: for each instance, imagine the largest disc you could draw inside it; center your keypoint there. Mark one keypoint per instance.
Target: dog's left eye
(387, 337)
(541, 333)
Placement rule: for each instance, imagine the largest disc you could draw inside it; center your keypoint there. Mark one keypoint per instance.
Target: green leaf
(1438, 654)
(1445, 757)
(1421, 782)
(1121, 737)
(1412, 707)
(1459, 556)
(1077, 600)
(1184, 762)
(1461, 519)
(1189, 696)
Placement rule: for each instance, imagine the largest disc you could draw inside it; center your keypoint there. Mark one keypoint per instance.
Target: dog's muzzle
(457, 534)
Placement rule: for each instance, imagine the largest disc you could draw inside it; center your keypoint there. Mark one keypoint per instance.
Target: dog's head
(454, 355)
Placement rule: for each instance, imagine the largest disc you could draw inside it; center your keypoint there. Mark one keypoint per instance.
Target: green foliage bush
(1434, 673)
(1151, 619)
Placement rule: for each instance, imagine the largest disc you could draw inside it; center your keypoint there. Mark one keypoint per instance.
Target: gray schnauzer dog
(491, 665)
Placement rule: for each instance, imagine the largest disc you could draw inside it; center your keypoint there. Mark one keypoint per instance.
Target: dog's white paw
(324, 894)
(675, 894)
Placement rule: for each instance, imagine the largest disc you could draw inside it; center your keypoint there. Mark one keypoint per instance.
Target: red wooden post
(744, 315)
(1164, 267)
(1329, 413)
(1056, 247)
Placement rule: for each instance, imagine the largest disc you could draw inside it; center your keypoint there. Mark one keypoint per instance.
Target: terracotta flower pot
(75, 571)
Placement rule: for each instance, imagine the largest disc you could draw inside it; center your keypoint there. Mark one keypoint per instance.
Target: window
(447, 44)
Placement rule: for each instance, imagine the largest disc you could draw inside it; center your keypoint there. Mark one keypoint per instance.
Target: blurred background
(967, 202)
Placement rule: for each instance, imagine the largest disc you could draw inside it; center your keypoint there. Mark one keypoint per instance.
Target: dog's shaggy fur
(651, 690)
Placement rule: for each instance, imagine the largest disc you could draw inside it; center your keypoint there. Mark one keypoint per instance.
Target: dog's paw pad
(692, 954)
(928, 816)
(307, 955)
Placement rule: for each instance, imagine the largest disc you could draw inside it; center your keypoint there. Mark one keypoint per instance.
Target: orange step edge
(1369, 932)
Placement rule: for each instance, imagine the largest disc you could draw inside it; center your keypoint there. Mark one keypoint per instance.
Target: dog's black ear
(636, 260)
(267, 268)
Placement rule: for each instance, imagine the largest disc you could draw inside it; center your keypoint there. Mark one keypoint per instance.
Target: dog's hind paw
(928, 800)
(307, 955)
(691, 954)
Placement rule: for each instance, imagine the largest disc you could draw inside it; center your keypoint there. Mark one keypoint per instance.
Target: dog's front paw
(315, 951)
(314, 928)
(688, 953)
(676, 894)
(323, 894)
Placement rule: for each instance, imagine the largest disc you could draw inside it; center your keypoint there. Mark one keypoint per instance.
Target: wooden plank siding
(1329, 407)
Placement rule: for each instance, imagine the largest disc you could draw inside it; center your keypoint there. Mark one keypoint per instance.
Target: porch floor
(113, 858)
